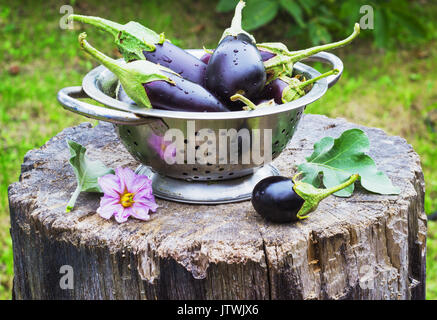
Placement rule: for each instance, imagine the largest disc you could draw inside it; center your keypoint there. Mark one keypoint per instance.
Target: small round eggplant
(281, 200)
(286, 89)
(236, 65)
(275, 200)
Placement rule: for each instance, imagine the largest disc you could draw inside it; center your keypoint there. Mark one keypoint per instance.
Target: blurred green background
(390, 78)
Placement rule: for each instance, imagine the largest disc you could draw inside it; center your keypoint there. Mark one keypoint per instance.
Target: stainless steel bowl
(139, 127)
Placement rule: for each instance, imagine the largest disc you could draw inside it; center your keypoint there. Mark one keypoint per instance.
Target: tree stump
(367, 246)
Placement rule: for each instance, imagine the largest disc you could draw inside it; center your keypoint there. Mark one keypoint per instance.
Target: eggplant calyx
(132, 75)
(313, 195)
(131, 38)
(236, 28)
(249, 105)
(295, 89)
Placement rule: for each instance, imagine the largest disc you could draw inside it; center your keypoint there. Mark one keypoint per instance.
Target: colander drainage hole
(283, 130)
(135, 143)
(276, 142)
(231, 174)
(220, 177)
(221, 169)
(128, 131)
(195, 177)
(207, 172)
(184, 173)
(194, 169)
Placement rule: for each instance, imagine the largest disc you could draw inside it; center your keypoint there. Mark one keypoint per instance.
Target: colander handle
(333, 60)
(68, 98)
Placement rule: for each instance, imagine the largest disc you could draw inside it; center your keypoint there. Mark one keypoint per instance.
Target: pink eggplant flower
(126, 194)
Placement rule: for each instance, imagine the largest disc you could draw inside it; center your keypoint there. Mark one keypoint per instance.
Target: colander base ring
(210, 192)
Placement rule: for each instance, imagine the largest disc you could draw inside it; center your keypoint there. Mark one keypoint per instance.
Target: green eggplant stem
(287, 58)
(339, 187)
(104, 24)
(303, 84)
(108, 62)
(250, 105)
(236, 27)
(301, 54)
(312, 196)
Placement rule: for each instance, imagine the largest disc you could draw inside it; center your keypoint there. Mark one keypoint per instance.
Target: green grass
(393, 91)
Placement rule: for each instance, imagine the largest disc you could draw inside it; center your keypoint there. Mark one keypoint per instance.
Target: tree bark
(367, 246)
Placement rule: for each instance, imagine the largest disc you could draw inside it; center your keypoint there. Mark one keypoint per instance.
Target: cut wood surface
(367, 246)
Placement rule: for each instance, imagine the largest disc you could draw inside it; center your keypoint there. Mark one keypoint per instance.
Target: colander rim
(90, 85)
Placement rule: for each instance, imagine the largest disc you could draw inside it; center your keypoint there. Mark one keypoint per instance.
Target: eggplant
(281, 90)
(236, 65)
(265, 55)
(282, 200)
(137, 42)
(286, 89)
(152, 85)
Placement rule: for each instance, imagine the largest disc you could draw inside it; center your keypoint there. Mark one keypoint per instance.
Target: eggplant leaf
(337, 159)
(87, 171)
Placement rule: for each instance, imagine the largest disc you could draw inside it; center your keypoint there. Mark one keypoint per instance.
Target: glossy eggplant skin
(274, 90)
(275, 200)
(185, 64)
(235, 67)
(181, 96)
(265, 55)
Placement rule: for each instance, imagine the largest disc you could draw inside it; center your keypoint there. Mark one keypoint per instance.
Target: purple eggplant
(265, 55)
(286, 89)
(152, 85)
(236, 65)
(178, 60)
(137, 42)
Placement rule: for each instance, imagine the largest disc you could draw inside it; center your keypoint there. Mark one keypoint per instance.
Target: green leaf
(226, 5)
(294, 10)
(87, 171)
(308, 5)
(337, 159)
(258, 13)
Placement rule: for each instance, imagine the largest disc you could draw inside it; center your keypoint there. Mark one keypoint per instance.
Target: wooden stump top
(223, 251)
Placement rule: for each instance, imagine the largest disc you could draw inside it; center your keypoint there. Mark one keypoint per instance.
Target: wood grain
(364, 247)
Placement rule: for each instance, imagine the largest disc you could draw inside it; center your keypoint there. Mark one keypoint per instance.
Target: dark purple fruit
(275, 200)
(235, 67)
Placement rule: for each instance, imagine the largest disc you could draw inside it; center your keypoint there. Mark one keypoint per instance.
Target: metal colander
(216, 182)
